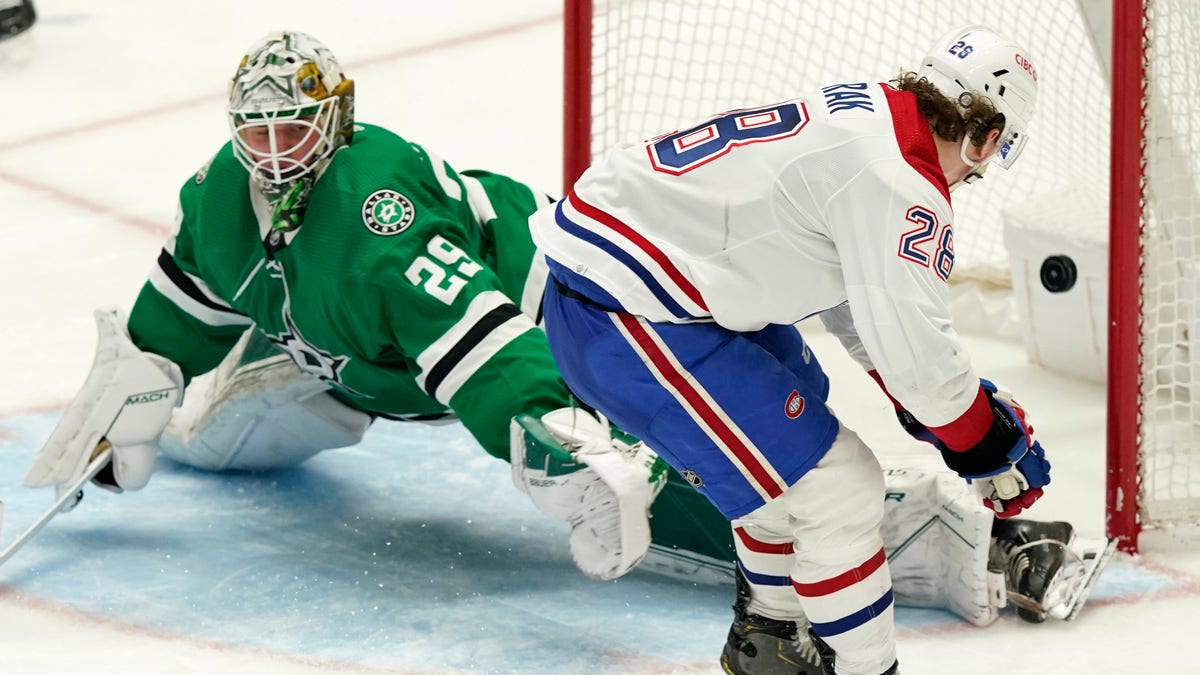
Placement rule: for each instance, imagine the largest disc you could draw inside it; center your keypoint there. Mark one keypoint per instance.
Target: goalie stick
(67, 500)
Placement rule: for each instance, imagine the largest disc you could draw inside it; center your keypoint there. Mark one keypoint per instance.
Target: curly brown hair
(947, 119)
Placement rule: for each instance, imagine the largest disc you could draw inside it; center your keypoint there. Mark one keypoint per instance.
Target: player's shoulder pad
(378, 157)
(218, 181)
(219, 168)
(396, 184)
(384, 150)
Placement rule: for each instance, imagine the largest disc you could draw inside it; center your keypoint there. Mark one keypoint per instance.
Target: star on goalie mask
(290, 108)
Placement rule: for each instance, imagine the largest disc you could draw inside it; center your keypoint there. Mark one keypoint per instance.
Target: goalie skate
(1092, 555)
(1048, 572)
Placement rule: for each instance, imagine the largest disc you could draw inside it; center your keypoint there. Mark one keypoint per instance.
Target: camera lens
(1058, 273)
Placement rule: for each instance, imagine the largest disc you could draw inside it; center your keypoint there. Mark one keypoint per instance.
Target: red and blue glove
(1007, 466)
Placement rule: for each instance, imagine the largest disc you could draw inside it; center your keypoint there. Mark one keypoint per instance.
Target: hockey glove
(126, 400)
(911, 424)
(574, 470)
(1007, 467)
(915, 429)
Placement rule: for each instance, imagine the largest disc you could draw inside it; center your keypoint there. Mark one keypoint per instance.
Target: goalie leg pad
(258, 411)
(937, 534)
(573, 470)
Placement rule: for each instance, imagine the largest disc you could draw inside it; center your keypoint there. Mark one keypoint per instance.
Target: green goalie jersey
(406, 288)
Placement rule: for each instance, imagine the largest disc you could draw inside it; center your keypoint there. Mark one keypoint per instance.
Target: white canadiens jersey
(833, 203)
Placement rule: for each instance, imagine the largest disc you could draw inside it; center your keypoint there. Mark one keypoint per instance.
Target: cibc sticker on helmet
(387, 212)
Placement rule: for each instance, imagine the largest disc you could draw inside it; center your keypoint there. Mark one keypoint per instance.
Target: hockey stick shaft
(98, 463)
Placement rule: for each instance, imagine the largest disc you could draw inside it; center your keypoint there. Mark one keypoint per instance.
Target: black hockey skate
(1031, 555)
(758, 645)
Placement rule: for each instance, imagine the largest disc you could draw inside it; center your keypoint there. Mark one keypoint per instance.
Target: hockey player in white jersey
(679, 266)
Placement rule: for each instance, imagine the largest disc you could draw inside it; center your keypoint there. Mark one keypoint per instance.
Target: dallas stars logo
(311, 359)
(387, 212)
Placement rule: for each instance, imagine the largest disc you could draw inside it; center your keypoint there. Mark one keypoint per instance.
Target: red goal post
(1125, 288)
(1154, 276)
(637, 68)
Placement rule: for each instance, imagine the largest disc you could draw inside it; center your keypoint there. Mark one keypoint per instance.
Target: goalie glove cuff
(573, 470)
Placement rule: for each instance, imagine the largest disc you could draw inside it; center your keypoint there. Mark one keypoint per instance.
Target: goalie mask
(290, 108)
(976, 60)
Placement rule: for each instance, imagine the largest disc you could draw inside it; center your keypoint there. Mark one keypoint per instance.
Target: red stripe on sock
(758, 546)
(841, 581)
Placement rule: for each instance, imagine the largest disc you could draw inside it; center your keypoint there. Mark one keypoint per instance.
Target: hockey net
(1154, 359)
(659, 65)
(638, 68)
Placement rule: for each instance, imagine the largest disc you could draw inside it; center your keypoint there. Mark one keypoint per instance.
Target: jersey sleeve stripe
(451, 354)
(478, 200)
(486, 337)
(440, 169)
(535, 287)
(615, 225)
(192, 295)
(479, 306)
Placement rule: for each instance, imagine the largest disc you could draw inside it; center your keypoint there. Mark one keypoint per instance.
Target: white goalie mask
(976, 60)
(290, 107)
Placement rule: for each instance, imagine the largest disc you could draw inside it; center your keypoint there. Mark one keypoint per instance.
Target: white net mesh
(660, 65)
(1170, 437)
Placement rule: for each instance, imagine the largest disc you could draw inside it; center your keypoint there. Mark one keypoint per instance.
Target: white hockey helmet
(290, 107)
(976, 59)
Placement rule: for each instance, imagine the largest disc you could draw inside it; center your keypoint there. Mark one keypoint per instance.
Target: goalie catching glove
(574, 470)
(1007, 467)
(126, 401)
